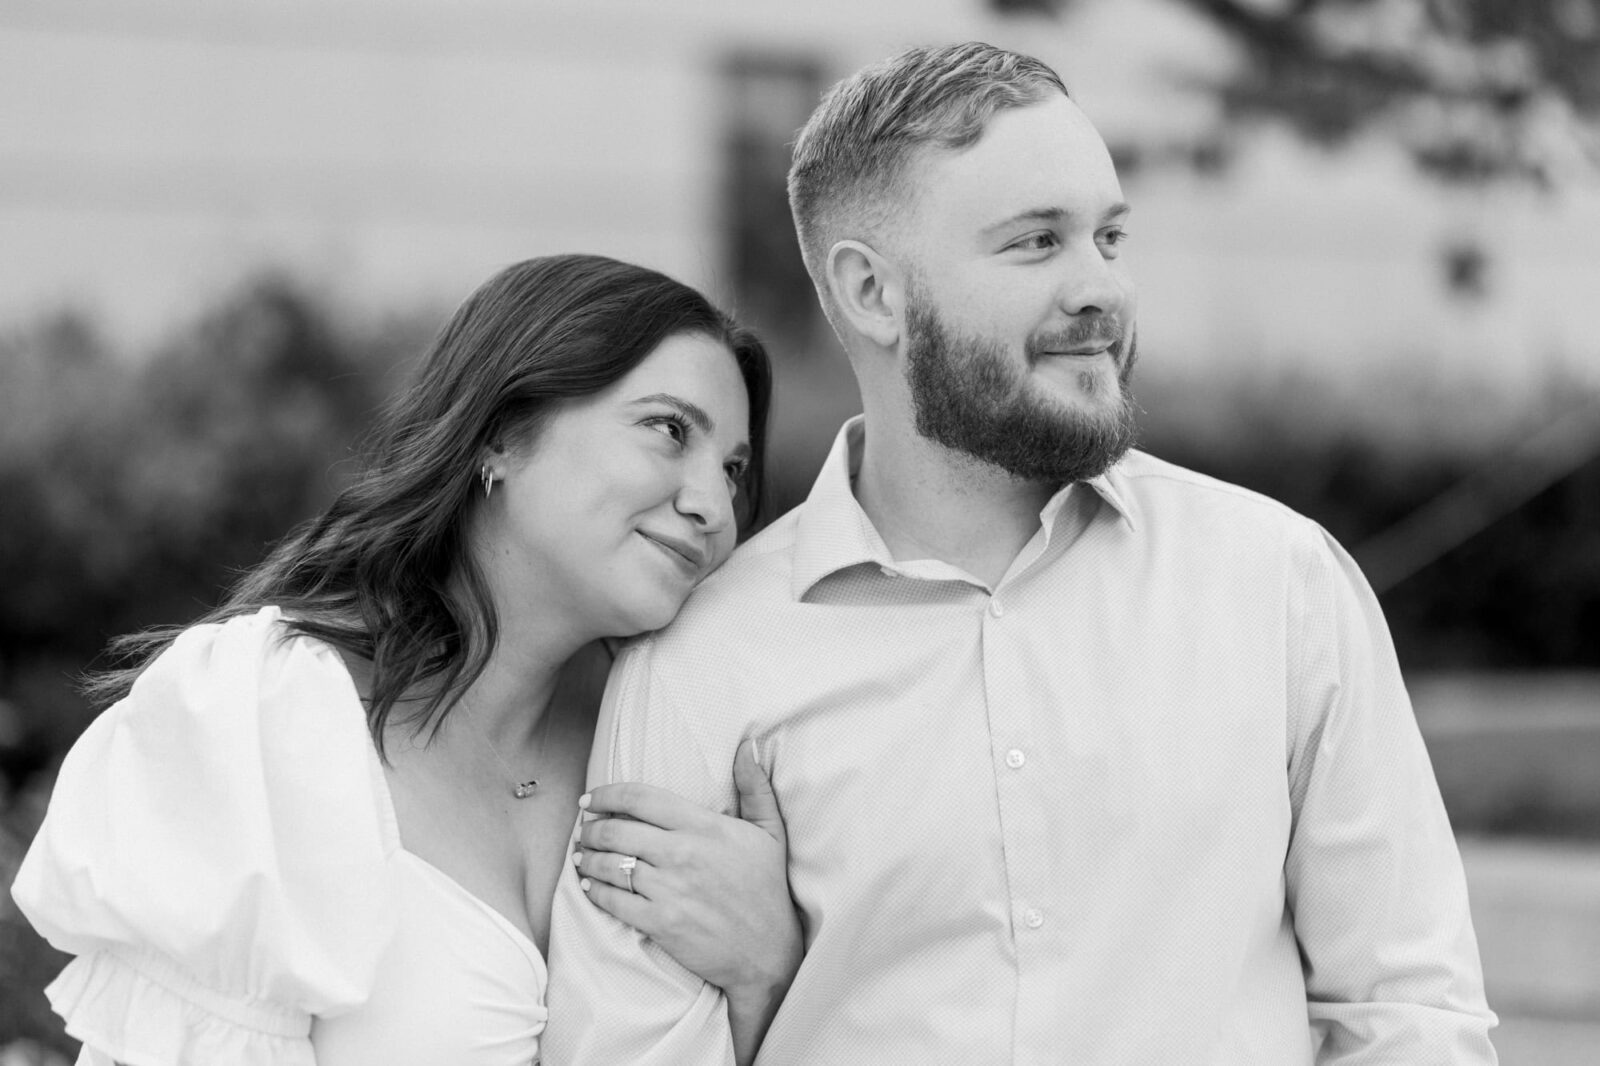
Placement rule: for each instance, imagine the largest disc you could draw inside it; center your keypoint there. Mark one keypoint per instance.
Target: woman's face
(624, 499)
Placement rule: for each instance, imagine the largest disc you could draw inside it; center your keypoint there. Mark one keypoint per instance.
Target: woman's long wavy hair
(384, 573)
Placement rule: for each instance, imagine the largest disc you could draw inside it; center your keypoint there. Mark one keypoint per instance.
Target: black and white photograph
(714, 533)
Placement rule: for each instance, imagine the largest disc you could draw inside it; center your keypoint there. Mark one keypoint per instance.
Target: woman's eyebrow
(692, 411)
(696, 415)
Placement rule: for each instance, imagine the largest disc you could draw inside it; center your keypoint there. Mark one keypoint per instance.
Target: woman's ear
(493, 457)
(868, 290)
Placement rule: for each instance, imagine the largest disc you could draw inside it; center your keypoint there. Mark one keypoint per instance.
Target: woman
(325, 824)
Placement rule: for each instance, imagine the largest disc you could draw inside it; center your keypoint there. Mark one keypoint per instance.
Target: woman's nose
(707, 498)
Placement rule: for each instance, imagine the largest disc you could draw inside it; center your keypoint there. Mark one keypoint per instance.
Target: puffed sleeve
(214, 855)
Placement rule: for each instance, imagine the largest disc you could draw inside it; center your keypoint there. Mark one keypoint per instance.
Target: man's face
(1020, 315)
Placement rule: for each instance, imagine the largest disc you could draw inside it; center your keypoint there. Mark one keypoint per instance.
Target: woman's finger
(758, 805)
(646, 803)
(627, 837)
(626, 906)
(609, 867)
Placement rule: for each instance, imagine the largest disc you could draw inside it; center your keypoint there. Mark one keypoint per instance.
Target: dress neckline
(461, 891)
(393, 843)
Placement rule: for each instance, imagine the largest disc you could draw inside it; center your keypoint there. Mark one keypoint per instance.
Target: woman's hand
(710, 889)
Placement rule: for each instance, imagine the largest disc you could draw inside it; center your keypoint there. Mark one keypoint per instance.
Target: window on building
(768, 99)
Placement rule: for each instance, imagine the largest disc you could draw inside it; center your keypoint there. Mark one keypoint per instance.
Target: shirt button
(995, 608)
(1015, 759)
(1032, 918)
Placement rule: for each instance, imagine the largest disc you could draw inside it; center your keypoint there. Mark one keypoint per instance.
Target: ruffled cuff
(141, 1009)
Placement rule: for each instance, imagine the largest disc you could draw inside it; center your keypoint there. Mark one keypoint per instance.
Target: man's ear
(869, 291)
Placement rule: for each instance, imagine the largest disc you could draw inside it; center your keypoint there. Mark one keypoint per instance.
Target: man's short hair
(851, 156)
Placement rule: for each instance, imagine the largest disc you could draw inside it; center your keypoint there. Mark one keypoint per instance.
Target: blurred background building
(1366, 234)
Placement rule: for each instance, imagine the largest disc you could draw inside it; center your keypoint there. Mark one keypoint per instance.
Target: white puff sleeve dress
(221, 855)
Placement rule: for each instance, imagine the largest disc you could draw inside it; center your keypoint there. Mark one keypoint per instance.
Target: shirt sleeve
(1373, 877)
(614, 995)
(214, 854)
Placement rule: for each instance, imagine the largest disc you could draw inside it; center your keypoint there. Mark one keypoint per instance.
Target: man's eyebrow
(696, 415)
(1053, 215)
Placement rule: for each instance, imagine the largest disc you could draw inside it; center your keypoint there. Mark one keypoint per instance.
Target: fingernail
(577, 858)
(583, 802)
(583, 883)
(755, 749)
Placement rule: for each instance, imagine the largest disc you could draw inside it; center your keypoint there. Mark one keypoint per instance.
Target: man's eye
(1036, 242)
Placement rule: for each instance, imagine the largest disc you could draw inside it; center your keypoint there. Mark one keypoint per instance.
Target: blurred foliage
(1472, 89)
(27, 963)
(133, 487)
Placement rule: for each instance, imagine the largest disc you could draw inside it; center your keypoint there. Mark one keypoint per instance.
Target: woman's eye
(1114, 236)
(670, 427)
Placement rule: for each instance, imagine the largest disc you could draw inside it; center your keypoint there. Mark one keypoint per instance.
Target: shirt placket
(1017, 765)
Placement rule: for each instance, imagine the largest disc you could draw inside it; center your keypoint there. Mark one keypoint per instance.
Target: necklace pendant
(525, 789)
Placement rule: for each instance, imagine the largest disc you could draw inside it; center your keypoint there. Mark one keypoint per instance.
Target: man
(1084, 758)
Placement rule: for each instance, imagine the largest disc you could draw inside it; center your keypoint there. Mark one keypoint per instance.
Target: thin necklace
(520, 789)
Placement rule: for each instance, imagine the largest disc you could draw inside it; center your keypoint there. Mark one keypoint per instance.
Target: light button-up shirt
(1155, 797)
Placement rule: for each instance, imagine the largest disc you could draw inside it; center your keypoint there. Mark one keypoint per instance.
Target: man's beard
(970, 395)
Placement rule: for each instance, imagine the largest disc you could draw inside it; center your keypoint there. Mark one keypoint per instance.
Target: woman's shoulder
(255, 647)
(229, 818)
(252, 676)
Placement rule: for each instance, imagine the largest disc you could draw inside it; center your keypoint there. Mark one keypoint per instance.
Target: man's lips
(1092, 336)
(688, 551)
(1095, 348)
(1081, 353)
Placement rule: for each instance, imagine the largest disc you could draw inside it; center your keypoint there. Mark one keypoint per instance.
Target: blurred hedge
(133, 484)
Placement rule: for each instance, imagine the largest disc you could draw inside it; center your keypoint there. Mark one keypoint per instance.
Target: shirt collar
(1112, 487)
(833, 532)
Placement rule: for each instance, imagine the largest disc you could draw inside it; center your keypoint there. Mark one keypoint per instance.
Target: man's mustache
(1082, 332)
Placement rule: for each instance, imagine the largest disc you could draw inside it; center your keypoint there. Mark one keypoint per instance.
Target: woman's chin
(647, 618)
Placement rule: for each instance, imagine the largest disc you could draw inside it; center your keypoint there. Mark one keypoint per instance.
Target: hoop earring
(487, 476)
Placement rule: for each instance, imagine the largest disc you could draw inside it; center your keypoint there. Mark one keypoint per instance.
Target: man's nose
(1092, 283)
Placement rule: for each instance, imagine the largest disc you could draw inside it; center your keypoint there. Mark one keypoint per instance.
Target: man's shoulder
(761, 565)
(704, 656)
(1161, 490)
(754, 581)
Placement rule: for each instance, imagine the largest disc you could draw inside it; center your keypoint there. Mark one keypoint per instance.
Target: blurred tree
(133, 490)
(1472, 89)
